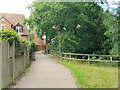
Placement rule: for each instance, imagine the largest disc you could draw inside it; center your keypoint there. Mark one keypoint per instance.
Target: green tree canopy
(81, 27)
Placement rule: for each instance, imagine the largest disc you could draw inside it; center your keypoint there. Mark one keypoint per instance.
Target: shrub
(10, 35)
(93, 58)
(0, 33)
(83, 57)
(32, 51)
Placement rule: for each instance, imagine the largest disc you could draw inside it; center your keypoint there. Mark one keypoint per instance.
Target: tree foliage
(82, 27)
(111, 43)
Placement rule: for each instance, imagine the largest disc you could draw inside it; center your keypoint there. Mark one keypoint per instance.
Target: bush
(10, 35)
(32, 50)
(93, 58)
(0, 33)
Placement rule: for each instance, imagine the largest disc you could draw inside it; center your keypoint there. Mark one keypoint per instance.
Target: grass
(92, 76)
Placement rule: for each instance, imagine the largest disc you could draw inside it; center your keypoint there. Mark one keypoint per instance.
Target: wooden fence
(68, 56)
(14, 59)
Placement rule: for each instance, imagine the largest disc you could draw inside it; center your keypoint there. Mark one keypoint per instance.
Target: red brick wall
(6, 23)
(24, 37)
(39, 43)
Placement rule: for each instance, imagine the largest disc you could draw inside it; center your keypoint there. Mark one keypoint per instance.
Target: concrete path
(46, 73)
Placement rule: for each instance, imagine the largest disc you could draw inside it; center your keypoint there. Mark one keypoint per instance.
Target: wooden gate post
(0, 64)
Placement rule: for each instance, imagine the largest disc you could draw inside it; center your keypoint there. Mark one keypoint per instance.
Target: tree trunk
(59, 44)
(59, 32)
(46, 48)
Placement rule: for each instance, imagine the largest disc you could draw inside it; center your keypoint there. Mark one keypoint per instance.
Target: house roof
(14, 19)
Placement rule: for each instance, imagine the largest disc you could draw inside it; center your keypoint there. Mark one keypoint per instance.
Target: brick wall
(24, 37)
(6, 23)
(39, 44)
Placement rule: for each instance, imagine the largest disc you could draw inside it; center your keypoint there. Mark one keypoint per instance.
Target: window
(3, 20)
(2, 26)
(19, 30)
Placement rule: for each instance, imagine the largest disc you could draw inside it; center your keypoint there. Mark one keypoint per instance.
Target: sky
(19, 6)
(15, 6)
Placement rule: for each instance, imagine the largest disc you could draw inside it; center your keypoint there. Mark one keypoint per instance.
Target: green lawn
(92, 76)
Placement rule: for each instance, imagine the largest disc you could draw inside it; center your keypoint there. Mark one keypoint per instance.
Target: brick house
(39, 43)
(12, 21)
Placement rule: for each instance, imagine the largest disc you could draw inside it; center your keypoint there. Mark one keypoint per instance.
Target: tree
(68, 22)
(111, 43)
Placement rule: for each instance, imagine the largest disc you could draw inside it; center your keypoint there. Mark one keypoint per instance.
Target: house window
(2, 26)
(19, 30)
(2, 20)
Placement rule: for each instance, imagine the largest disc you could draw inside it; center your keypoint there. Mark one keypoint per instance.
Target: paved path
(46, 73)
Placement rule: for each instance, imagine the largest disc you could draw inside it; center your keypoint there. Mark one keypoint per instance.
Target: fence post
(88, 59)
(59, 54)
(69, 58)
(27, 56)
(65, 55)
(0, 64)
(111, 60)
(13, 63)
(24, 65)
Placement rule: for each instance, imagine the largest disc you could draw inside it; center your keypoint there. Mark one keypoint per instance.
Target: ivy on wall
(10, 35)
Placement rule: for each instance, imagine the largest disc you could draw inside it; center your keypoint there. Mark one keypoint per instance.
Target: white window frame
(18, 30)
(2, 26)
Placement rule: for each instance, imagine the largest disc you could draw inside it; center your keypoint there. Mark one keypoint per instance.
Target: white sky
(15, 6)
(19, 6)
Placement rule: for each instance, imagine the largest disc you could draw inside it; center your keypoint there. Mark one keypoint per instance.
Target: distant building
(39, 43)
(44, 40)
(12, 21)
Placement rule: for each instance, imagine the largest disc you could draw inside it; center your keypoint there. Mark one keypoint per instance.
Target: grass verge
(91, 76)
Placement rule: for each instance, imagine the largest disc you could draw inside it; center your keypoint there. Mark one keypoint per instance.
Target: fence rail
(63, 56)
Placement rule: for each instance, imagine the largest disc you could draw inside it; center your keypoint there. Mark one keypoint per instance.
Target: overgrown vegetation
(10, 35)
(92, 76)
(32, 51)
